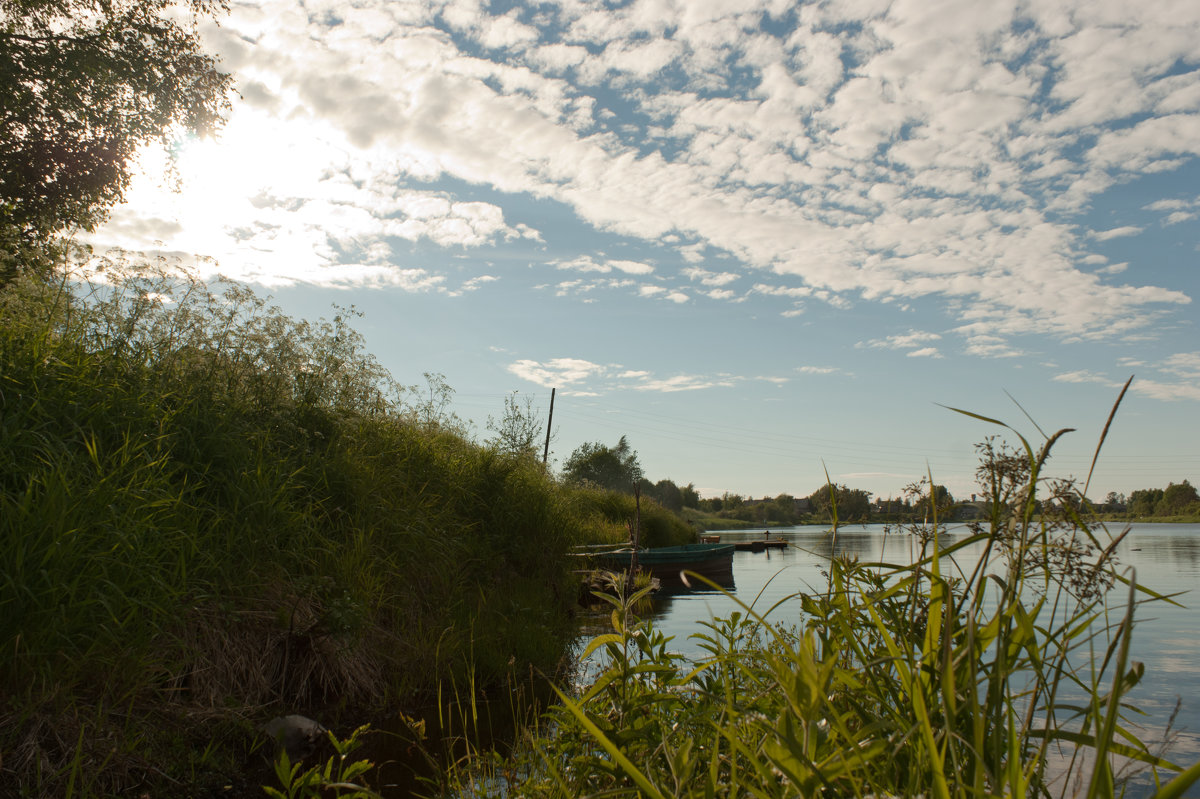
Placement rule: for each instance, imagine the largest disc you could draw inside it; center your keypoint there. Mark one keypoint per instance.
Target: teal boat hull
(714, 561)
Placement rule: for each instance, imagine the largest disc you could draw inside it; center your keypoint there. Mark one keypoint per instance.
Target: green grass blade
(613, 750)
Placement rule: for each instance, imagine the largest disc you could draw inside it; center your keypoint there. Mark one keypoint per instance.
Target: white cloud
(1167, 205)
(1085, 376)
(586, 263)
(586, 378)
(671, 385)
(913, 338)
(474, 283)
(557, 371)
(557, 58)
(882, 151)
(631, 267)
(925, 352)
(583, 263)
(567, 288)
(1170, 392)
(987, 346)
(1177, 210)
(795, 292)
(1183, 364)
(708, 278)
(1117, 232)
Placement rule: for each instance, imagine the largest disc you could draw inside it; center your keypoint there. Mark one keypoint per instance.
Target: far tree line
(617, 468)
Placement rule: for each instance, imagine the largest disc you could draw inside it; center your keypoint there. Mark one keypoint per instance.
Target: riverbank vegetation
(211, 513)
(1005, 673)
(1178, 502)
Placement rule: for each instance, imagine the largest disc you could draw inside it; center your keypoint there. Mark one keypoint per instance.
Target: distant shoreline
(716, 524)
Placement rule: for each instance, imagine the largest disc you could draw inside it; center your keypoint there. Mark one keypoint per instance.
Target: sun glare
(255, 187)
(252, 158)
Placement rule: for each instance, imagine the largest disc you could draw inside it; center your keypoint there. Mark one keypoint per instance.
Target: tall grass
(210, 512)
(999, 663)
(612, 514)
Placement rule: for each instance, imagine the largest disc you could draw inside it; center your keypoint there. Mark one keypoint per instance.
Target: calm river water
(1166, 638)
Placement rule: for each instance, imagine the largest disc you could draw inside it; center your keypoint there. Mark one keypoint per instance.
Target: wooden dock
(760, 545)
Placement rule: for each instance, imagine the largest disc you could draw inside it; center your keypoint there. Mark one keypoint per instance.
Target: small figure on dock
(767, 534)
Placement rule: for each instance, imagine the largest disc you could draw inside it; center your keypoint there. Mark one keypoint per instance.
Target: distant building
(888, 506)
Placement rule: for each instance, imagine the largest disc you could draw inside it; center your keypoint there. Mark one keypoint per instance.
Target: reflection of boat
(714, 561)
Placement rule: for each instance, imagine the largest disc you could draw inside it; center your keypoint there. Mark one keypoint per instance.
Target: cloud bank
(840, 153)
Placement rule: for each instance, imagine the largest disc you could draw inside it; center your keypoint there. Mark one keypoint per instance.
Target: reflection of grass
(210, 511)
(1006, 676)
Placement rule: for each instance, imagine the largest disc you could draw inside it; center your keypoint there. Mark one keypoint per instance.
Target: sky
(768, 242)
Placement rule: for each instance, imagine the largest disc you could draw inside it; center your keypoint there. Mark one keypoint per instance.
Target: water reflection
(1163, 557)
(825, 544)
(1181, 554)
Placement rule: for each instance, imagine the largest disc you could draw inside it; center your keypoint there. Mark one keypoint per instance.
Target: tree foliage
(933, 500)
(84, 84)
(1144, 501)
(853, 504)
(615, 468)
(1177, 498)
(665, 493)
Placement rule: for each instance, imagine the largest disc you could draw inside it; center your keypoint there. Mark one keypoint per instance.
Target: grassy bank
(211, 514)
(706, 521)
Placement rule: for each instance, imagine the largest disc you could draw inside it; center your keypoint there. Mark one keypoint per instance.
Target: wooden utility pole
(549, 422)
(635, 537)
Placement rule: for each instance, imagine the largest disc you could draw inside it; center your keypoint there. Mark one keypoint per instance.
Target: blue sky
(763, 240)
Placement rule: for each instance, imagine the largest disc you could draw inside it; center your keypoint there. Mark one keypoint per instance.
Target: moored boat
(714, 561)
